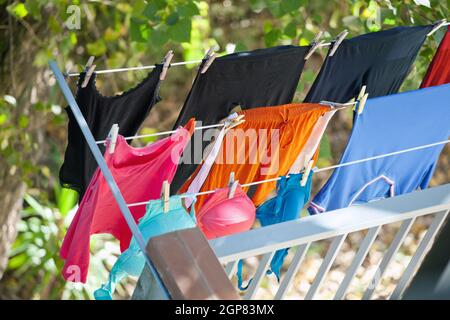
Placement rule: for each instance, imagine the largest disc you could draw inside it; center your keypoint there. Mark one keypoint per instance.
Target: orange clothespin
(166, 64)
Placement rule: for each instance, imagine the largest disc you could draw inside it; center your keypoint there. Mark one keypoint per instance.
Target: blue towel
(388, 124)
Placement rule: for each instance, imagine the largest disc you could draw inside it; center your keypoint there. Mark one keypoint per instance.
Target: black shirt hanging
(379, 60)
(128, 110)
(262, 77)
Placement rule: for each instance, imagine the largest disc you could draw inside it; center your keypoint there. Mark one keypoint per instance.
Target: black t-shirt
(128, 110)
(258, 78)
(379, 60)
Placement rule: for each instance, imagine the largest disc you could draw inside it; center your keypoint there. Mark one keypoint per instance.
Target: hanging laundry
(379, 60)
(286, 206)
(155, 222)
(439, 70)
(389, 124)
(265, 146)
(139, 174)
(262, 77)
(203, 172)
(128, 110)
(436, 260)
(221, 216)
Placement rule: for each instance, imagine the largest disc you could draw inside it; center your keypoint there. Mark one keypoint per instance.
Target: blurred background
(35, 211)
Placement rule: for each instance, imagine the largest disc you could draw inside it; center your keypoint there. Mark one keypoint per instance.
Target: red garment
(439, 70)
(139, 173)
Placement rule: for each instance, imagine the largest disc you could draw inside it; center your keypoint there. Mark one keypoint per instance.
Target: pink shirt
(139, 173)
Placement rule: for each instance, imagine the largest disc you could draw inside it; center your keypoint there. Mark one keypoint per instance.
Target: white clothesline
(162, 133)
(181, 63)
(76, 74)
(333, 105)
(315, 170)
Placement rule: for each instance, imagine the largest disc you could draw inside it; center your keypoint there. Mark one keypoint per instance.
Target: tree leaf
(172, 18)
(291, 30)
(18, 10)
(188, 10)
(181, 31)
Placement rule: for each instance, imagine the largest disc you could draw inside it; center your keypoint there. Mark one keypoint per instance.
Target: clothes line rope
(162, 133)
(315, 170)
(334, 106)
(181, 63)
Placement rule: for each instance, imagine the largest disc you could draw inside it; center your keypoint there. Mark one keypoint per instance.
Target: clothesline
(335, 106)
(315, 170)
(162, 133)
(181, 63)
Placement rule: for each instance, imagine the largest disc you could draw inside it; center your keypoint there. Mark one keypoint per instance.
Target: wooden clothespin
(232, 185)
(436, 27)
(67, 73)
(306, 173)
(210, 56)
(360, 96)
(315, 44)
(362, 103)
(112, 137)
(338, 41)
(337, 105)
(230, 124)
(166, 64)
(165, 195)
(361, 93)
(89, 69)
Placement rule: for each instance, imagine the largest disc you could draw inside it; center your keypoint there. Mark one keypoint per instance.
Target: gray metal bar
(357, 261)
(260, 272)
(389, 255)
(326, 265)
(104, 168)
(231, 268)
(323, 226)
(418, 256)
(292, 271)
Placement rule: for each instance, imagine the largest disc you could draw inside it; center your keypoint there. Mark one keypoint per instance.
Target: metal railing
(336, 225)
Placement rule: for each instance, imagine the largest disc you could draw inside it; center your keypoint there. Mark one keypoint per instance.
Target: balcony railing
(335, 226)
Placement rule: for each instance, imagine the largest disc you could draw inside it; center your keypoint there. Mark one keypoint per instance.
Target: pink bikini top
(220, 216)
